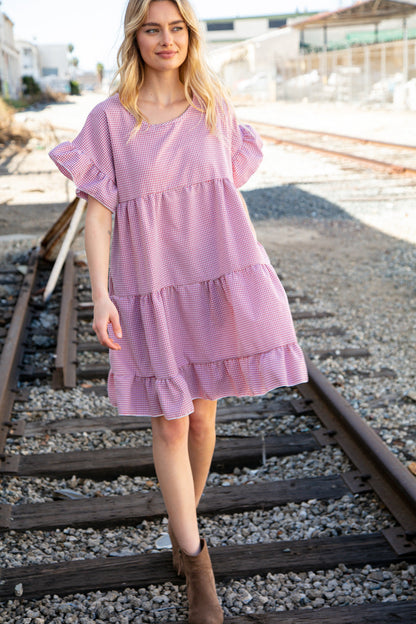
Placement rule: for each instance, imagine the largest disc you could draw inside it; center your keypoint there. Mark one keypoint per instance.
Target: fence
(262, 68)
(383, 72)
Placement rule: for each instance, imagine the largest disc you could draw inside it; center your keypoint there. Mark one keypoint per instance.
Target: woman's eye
(178, 28)
(151, 30)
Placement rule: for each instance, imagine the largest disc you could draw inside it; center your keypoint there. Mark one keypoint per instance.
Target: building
(29, 59)
(220, 32)
(364, 52)
(54, 60)
(54, 67)
(9, 59)
(245, 51)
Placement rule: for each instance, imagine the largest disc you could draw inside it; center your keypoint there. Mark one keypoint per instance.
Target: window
(277, 23)
(49, 71)
(220, 26)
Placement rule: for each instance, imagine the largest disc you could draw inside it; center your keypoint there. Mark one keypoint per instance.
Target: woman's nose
(166, 37)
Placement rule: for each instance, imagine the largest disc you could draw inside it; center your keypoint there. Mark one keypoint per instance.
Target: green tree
(100, 73)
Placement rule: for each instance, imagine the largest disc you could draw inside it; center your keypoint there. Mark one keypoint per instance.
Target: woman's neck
(163, 90)
(162, 99)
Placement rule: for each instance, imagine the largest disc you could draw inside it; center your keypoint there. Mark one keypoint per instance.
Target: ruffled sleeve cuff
(248, 157)
(89, 180)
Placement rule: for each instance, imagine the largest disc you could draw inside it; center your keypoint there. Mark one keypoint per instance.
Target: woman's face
(163, 38)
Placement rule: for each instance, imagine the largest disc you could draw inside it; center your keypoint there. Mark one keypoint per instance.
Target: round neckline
(169, 121)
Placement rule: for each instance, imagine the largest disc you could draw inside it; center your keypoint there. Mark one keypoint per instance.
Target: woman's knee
(170, 432)
(202, 420)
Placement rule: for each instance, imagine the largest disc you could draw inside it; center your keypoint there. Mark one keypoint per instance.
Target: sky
(94, 27)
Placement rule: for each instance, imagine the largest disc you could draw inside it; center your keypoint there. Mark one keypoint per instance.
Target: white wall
(9, 59)
(251, 66)
(29, 59)
(54, 60)
(244, 28)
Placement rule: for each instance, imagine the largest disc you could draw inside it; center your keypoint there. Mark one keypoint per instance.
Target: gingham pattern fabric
(202, 310)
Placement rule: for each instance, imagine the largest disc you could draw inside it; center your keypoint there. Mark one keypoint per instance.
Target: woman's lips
(166, 54)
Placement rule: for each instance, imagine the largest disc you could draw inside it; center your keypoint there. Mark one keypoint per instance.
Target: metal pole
(383, 62)
(350, 75)
(367, 70)
(405, 51)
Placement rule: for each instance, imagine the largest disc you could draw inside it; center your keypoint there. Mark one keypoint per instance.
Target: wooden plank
(400, 612)
(134, 423)
(104, 511)
(298, 316)
(93, 371)
(90, 346)
(228, 562)
(334, 330)
(51, 241)
(109, 463)
(343, 353)
(70, 235)
(373, 374)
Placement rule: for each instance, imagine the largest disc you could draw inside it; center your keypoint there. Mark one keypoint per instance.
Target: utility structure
(371, 12)
(363, 52)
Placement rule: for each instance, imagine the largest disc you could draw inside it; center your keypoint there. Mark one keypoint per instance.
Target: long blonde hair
(199, 80)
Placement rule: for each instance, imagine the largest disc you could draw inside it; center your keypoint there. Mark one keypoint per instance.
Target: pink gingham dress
(202, 310)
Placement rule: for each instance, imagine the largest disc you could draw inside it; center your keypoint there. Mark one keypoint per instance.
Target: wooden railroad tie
(229, 562)
(105, 511)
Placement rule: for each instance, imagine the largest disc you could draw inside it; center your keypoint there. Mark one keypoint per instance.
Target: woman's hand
(105, 312)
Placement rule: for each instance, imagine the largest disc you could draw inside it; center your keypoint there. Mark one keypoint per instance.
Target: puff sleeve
(88, 160)
(246, 152)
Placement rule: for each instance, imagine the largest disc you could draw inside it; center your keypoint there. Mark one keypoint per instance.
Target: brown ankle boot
(176, 553)
(204, 607)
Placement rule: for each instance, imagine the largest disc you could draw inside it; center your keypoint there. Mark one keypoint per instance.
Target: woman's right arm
(98, 224)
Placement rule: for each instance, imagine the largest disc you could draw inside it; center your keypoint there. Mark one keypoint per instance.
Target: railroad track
(72, 358)
(384, 156)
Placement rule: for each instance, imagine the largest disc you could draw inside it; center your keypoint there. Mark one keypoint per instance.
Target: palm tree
(100, 73)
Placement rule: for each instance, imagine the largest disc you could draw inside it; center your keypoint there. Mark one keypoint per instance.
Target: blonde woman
(187, 302)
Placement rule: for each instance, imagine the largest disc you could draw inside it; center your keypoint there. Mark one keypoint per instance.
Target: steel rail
(10, 354)
(371, 162)
(65, 373)
(377, 465)
(335, 135)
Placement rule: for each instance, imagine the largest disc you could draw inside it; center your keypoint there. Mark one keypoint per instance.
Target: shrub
(74, 87)
(30, 86)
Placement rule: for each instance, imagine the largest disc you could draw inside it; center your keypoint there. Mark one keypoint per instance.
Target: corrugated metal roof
(364, 12)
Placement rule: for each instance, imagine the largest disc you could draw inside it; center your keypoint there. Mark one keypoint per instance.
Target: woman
(193, 310)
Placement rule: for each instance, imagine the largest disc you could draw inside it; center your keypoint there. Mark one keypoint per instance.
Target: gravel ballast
(330, 248)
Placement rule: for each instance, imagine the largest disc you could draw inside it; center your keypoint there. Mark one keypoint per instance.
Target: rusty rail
(334, 135)
(370, 162)
(65, 373)
(11, 352)
(376, 468)
(376, 465)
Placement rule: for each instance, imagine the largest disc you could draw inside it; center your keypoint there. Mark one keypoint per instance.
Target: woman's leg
(174, 472)
(182, 452)
(201, 442)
